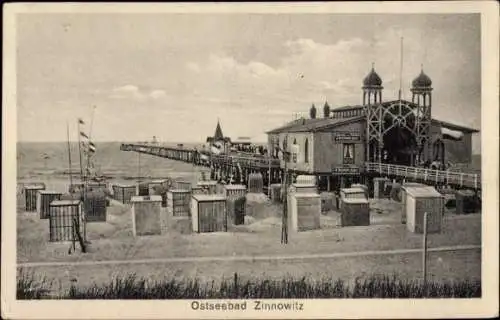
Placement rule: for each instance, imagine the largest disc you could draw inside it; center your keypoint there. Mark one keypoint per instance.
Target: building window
(306, 151)
(294, 151)
(348, 153)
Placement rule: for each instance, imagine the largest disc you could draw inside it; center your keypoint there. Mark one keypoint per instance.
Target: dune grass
(132, 287)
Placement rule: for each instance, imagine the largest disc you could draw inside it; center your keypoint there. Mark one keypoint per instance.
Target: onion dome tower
(372, 99)
(372, 88)
(422, 96)
(421, 89)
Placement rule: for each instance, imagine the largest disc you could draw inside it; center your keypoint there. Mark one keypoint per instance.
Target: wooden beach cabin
(179, 202)
(63, 214)
(305, 211)
(30, 195)
(403, 197)
(124, 192)
(420, 200)
(183, 185)
(44, 198)
(208, 187)
(235, 190)
(146, 215)
(94, 205)
(208, 213)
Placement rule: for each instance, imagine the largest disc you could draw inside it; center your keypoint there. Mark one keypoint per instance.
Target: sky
(175, 75)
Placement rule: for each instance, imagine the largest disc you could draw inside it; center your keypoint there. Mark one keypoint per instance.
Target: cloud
(158, 94)
(252, 97)
(127, 92)
(193, 67)
(309, 72)
(132, 92)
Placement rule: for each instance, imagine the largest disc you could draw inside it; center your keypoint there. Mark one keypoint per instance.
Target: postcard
(250, 160)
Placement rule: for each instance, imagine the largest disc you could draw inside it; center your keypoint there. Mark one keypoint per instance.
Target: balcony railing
(471, 180)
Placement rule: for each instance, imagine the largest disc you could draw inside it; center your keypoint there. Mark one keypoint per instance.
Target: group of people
(435, 165)
(250, 148)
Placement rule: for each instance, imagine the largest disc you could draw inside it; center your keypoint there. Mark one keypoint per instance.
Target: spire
(218, 132)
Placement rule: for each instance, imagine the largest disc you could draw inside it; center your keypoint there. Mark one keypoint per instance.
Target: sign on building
(345, 170)
(346, 136)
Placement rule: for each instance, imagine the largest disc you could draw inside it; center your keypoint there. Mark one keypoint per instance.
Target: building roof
(145, 199)
(34, 186)
(49, 192)
(318, 124)
(423, 192)
(312, 125)
(59, 203)
(179, 191)
(235, 187)
(372, 79)
(218, 136)
(347, 108)
(218, 132)
(422, 81)
(207, 183)
(454, 126)
(124, 185)
(208, 197)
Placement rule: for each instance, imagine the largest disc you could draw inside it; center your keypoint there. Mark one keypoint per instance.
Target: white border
(349, 309)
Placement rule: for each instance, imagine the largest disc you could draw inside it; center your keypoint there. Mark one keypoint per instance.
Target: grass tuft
(131, 287)
(28, 287)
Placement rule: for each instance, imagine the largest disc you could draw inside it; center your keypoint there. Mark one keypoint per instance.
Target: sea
(47, 162)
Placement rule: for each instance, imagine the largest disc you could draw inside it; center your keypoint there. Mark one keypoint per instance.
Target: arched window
(306, 151)
(294, 155)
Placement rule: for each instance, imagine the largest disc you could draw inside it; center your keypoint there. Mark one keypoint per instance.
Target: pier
(224, 165)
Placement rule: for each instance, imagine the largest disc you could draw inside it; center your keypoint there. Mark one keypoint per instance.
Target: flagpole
(80, 151)
(69, 157)
(90, 137)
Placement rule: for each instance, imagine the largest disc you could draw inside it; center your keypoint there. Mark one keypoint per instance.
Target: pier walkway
(224, 164)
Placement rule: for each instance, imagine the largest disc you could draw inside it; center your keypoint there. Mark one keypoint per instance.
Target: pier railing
(470, 180)
(247, 161)
(258, 162)
(193, 156)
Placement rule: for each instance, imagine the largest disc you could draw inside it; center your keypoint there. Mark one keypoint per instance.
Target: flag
(91, 146)
(88, 147)
(80, 121)
(83, 135)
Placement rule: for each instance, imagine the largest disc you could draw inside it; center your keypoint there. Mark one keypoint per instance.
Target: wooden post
(269, 174)
(424, 255)
(284, 222)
